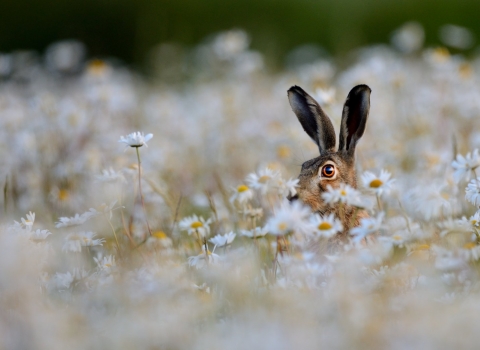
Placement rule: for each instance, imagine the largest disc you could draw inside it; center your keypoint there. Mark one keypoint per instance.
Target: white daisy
(252, 212)
(377, 184)
(28, 223)
(325, 96)
(367, 226)
(289, 217)
(475, 219)
(136, 139)
(111, 176)
(106, 264)
(465, 166)
(265, 180)
(76, 220)
(75, 241)
(473, 192)
(287, 188)
(196, 224)
(471, 251)
(199, 261)
(257, 232)
(221, 240)
(39, 235)
(241, 194)
(325, 226)
(455, 226)
(344, 194)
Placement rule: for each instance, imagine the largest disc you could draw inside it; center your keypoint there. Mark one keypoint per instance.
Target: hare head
(332, 167)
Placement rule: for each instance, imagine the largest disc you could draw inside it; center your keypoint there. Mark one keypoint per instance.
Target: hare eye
(328, 170)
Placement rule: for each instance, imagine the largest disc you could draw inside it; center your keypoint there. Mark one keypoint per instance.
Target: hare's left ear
(314, 120)
(354, 117)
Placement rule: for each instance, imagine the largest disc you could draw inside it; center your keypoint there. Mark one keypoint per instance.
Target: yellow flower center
(474, 222)
(196, 224)
(423, 247)
(63, 195)
(263, 179)
(343, 192)
(376, 183)
(242, 188)
(282, 226)
(441, 54)
(325, 226)
(283, 151)
(397, 238)
(159, 235)
(469, 245)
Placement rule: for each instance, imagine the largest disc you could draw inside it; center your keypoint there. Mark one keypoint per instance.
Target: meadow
(150, 213)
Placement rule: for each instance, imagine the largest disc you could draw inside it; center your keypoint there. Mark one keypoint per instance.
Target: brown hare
(332, 167)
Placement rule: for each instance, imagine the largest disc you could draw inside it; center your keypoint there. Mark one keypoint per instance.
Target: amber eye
(328, 170)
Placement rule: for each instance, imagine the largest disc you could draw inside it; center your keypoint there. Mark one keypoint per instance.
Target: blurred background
(128, 30)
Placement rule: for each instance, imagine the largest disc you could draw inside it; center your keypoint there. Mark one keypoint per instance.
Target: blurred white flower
(76, 220)
(455, 226)
(475, 219)
(287, 188)
(75, 241)
(63, 280)
(367, 226)
(199, 261)
(229, 44)
(194, 224)
(409, 37)
(343, 194)
(39, 235)
(465, 166)
(432, 200)
(326, 226)
(377, 184)
(265, 180)
(106, 264)
(28, 223)
(241, 194)
(136, 139)
(289, 217)
(254, 233)
(159, 239)
(447, 260)
(252, 212)
(221, 240)
(325, 96)
(473, 192)
(111, 176)
(456, 36)
(471, 251)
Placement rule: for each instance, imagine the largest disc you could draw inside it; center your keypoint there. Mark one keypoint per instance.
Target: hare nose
(292, 198)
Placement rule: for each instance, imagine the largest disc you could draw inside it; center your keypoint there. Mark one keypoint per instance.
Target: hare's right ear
(354, 117)
(313, 119)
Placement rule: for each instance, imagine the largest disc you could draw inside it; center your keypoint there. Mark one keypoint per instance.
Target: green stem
(379, 203)
(140, 189)
(114, 234)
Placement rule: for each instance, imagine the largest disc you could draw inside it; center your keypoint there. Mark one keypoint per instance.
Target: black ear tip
(296, 89)
(362, 88)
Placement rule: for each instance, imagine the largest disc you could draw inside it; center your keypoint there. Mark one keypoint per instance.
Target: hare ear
(354, 117)
(313, 119)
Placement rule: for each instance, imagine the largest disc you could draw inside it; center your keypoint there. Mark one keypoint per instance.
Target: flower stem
(379, 203)
(206, 250)
(140, 189)
(354, 217)
(115, 235)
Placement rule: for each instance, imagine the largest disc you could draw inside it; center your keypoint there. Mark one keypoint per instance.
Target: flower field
(151, 213)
